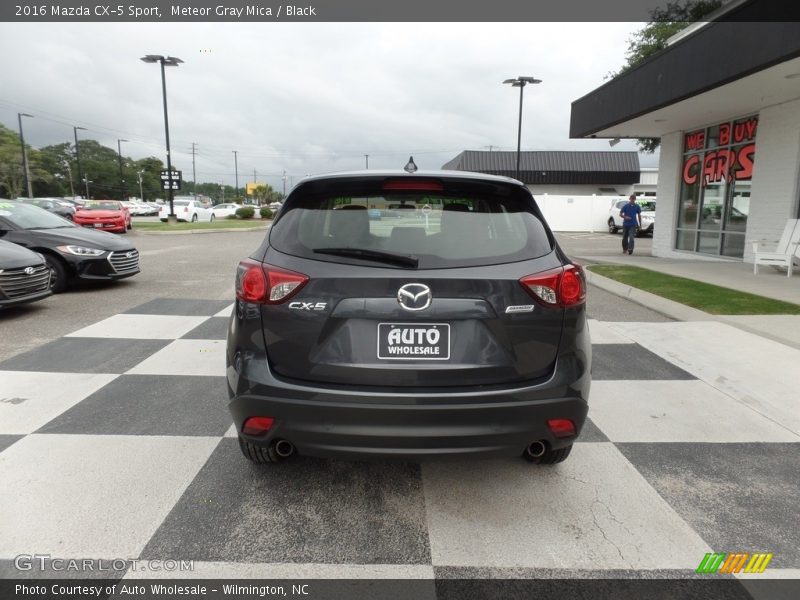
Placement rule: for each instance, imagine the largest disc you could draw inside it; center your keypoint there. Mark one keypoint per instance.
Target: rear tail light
(185, 209)
(561, 428)
(257, 425)
(564, 286)
(264, 284)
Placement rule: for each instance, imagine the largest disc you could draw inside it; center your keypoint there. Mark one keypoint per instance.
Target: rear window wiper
(385, 257)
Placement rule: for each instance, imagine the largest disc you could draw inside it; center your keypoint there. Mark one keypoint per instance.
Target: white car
(187, 210)
(225, 210)
(648, 215)
(134, 208)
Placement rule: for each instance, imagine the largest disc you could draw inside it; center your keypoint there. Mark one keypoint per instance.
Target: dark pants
(628, 235)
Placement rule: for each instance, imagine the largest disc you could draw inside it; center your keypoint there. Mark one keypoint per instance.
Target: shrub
(266, 213)
(245, 212)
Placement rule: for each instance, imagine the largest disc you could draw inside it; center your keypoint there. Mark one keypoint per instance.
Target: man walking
(631, 215)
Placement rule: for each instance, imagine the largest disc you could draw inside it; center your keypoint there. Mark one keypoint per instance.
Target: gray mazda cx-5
(453, 327)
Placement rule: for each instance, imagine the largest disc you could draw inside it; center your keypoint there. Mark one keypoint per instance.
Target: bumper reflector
(561, 428)
(257, 425)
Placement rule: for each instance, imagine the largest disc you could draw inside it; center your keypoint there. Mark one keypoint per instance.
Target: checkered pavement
(115, 442)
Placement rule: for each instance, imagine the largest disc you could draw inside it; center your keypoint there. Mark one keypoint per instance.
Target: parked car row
(58, 252)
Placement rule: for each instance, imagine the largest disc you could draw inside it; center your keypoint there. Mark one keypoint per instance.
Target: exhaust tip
(536, 449)
(284, 448)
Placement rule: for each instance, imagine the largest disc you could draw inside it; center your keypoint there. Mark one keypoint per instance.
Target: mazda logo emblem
(30, 271)
(414, 296)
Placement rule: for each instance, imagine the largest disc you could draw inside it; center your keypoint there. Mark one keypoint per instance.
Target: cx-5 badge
(414, 296)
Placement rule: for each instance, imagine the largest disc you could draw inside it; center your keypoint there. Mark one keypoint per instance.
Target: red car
(108, 215)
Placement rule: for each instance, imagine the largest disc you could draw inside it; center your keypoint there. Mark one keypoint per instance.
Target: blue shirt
(629, 212)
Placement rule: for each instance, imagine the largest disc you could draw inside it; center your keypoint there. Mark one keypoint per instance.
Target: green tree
(652, 38)
(12, 178)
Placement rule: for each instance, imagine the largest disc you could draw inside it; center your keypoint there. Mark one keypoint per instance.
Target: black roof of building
(553, 166)
(750, 37)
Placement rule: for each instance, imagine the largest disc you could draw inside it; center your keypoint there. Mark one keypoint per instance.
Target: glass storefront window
(715, 188)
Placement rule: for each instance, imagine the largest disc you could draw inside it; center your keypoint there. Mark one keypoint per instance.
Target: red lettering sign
(745, 157)
(724, 134)
(745, 131)
(696, 140)
(690, 168)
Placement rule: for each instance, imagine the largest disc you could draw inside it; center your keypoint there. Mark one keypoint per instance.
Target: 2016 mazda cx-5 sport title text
(451, 326)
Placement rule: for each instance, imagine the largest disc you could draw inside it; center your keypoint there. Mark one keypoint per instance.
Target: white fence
(576, 213)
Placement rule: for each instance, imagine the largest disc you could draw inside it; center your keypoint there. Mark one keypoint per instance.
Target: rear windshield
(438, 230)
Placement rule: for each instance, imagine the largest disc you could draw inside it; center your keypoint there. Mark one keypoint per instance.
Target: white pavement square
(141, 327)
(29, 400)
(225, 312)
(86, 496)
(594, 511)
(185, 357)
(677, 411)
(756, 371)
(601, 333)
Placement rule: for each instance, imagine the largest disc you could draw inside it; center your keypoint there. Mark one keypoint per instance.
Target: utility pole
(123, 192)
(25, 154)
(284, 183)
(194, 173)
(236, 166)
(366, 157)
(86, 181)
(78, 152)
(141, 193)
(69, 172)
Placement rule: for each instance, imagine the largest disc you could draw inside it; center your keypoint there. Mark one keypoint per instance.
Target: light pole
(236, 168)
(25, 154)
(122, 189)
(366, 158)
(166, 61)
(141, 193)
(69, 172)
(78, 152)
(87, 182)
(194, 173)
(520, 82)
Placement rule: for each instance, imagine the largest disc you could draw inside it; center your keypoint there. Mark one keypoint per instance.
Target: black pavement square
(632, 362)
(215, 328)
(303, 510)
(150, 405)
(180, 307)
(738, 497)
(591, 432)
(7, 440)
(85, 355)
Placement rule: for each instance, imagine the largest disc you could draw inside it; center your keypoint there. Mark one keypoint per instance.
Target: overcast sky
(306, 97)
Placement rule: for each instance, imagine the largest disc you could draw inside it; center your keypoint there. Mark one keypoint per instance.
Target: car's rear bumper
(403, 430)
(398, 423)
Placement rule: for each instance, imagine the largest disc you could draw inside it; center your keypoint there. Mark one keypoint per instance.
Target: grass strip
(712, 299)
(217, 224)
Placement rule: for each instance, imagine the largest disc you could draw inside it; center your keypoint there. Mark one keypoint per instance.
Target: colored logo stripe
(721, 562)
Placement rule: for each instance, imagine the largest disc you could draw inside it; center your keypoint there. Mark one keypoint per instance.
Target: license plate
(413, 341)
(98, 224)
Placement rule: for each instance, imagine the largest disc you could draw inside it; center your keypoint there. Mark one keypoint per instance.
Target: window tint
(438, 229)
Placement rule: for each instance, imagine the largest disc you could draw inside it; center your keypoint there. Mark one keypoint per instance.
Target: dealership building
(724, 97)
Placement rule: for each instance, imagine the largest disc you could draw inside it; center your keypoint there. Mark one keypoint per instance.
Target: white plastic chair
(786, 253)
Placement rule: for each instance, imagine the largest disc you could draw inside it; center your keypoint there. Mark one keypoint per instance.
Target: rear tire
(612, 227)
(550, 457)
(258, 454)
(212, 219)
(58, 274)
(194, 218)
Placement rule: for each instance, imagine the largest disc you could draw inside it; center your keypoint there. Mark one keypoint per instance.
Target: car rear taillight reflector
(414, 185)
(561, 428)
(564, 286)
(257, 425)
(264, 284)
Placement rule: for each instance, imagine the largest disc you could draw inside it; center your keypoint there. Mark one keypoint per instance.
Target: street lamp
(520, 82)
(141, 193)
(166, 61)
(25, 154)
(123, 191)
(77, 151)
(87, 182)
